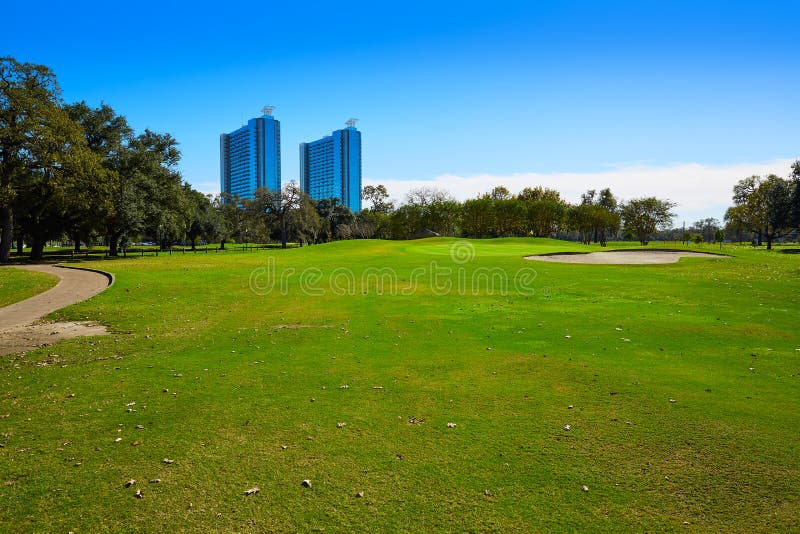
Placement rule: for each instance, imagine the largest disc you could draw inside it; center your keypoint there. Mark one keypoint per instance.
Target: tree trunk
(222, 244)
(283, 231)
(77, 241)
(20, 246)
(6, 227)
(113, 243)
(37, 248)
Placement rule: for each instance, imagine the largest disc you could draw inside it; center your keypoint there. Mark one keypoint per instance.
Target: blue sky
(650, 97)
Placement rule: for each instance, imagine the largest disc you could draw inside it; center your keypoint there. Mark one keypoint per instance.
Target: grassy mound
(17, 284)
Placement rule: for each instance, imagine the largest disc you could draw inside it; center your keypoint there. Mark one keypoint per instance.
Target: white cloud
(700, 190)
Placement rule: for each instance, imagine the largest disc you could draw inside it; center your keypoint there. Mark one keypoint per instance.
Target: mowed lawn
(17, 284)
(345, 364)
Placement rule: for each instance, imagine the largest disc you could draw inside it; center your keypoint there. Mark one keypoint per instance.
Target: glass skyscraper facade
(250, 157)
(331, 167)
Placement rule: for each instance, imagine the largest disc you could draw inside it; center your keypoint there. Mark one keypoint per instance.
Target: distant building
(331, 167)
(250, 157)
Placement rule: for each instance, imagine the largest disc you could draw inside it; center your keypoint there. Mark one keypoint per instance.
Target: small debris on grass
(570, 407)
(312, 399)
(414, 421)
(345, 386)
(136, 443)
(140, 427)
(139, 494)
(360, 494)
(487, 493)
(251, 491)
(117, 440)
(618, 329)
(451, 425)
(5, 415)
(567, 427)
(306, 483)
(568, 337)
(130, 403)
(168, 461)
(751, 368)
(673, 401)
(155, 481)
(129, 483)
(340, 425)
(377, 387)
(165, 390)
(585, 488)
(71, 395)
(626, 340)
(284, 447)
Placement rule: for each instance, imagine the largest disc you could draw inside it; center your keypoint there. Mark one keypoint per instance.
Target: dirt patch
(623, 257)
(34, 336)
(19, 330)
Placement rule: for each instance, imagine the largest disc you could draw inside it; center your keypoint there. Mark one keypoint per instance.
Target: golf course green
(431, 385)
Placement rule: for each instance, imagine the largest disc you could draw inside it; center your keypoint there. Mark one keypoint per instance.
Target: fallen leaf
(251, 491)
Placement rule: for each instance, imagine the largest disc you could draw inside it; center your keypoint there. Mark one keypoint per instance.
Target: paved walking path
(18, 331)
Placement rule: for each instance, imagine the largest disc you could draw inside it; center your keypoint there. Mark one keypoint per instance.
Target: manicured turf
(16, 284)
(227, 385)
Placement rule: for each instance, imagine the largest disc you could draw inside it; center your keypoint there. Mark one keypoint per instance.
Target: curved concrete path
(624, 257)
(17, 329)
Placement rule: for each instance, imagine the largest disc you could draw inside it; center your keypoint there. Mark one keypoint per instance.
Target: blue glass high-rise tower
(250, 157)
(331, 167)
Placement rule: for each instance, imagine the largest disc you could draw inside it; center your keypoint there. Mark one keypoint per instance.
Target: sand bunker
(623, 257)
(19, 330)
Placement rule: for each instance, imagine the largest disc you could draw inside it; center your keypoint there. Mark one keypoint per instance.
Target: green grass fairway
(680, 384)
(16, 284)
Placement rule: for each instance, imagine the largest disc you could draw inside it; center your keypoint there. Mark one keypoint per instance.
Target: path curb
(98, 271)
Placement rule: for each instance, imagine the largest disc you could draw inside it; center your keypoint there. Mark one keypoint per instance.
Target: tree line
(534, 212)
(81, 172)
(765, 209)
